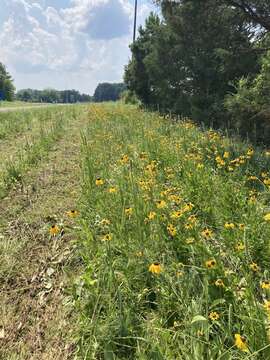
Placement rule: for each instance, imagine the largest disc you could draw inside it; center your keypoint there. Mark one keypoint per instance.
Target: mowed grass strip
(19, 122)
(44, 127)
(37, 264)
(174, 237)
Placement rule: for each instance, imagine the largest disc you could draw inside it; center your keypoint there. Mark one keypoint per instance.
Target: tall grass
(174, 241)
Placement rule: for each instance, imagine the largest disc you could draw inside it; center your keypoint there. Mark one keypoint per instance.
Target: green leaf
(198, 318)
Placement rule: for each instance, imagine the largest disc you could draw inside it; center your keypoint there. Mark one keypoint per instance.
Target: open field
(125, 235)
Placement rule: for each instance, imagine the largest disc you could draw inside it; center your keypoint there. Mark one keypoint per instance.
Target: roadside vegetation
(208, 60)
(127, 235)
(140, 229)
(174, 238)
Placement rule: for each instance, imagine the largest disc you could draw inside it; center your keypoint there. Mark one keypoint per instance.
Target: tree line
(52, 96)
(109, 92)
(208, 60)
(103, 92)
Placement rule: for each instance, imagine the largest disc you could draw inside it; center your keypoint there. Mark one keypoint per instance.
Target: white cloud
(76, 44)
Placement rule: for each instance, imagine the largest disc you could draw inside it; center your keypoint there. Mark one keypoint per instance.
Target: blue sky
(67, 43)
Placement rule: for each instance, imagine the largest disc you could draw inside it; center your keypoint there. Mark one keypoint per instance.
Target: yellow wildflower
(210, 263)
(143, 155)
(241, 226)
(151, 168)
(226, 155)
(250, 152)
(105, 222)
(220, 161)
(240, 246)
(155, 268)
(171, 230)
(175, 198)
(240, 342)
(151, 215)
(192, 218)
(214, 316)
(144, 185)
(161, 204)
(128, 211)
(54, 230)
(188, 226)
(254, 267)
(252, 199)
(99, 181)
(107, 237)
(228, 225)
(112, 190)
(265, 284)
(219, 283)
(207, 233)
(188, 207)
(267, 305)
(266, 182)
(72, 213)
(176, 214)
(124, 159)
(267, 217)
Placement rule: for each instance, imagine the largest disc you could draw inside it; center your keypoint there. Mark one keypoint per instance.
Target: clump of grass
(174, 239)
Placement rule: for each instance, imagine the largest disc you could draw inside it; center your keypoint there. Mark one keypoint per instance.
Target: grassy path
(21, 131)
(35, 312)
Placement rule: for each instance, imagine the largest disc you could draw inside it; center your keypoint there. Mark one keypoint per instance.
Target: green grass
(40, 129)
(133, 163)
(40, 179)
(20, 122)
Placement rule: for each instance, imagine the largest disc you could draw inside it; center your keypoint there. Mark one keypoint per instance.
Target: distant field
(125, 235)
